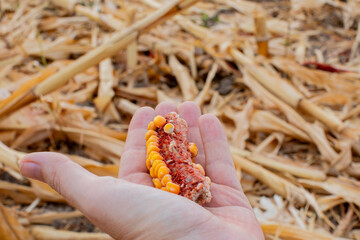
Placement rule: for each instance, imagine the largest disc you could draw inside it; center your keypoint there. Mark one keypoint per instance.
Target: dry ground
(292, 118)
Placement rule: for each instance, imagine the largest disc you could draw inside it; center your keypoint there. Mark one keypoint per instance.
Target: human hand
(131, 208)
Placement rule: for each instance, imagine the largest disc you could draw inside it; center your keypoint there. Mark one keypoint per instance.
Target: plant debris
(72, 74)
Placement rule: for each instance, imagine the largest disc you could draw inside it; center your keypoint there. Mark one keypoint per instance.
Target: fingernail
(30, 170)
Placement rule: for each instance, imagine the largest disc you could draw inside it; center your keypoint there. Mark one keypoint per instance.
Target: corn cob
(170, 159)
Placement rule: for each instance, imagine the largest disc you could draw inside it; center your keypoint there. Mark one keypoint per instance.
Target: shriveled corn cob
(170, 159)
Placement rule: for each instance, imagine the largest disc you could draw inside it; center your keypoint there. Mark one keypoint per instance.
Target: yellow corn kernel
(155, 163)
(193, 149)
(151, 148)
(157, 168)
(164, 189)
(148, 163)
(163, 170)
(152, 144)
(198, 166)
(152, 139)
(149, 133)
(156, 156)
(173, 187)
(169, 128)
(157, 182)
(151, 126)
(159, 121)
(152, 172)
(150, 154)
(166, 179)
(209, 180)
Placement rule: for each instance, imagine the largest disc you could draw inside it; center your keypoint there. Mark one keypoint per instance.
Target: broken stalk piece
(118, 41)
(261, 34)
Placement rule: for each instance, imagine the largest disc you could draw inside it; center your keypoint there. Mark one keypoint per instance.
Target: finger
(64, 176)
(164, 108)
(111, 203)
(191, 113)
(96, 197)
(219, 164)
(227, 196)
(139, 178)
(134, 154)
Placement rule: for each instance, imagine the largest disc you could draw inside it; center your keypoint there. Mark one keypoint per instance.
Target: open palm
(131, 208)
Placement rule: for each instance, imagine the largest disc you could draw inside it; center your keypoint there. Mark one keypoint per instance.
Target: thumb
(63, 175)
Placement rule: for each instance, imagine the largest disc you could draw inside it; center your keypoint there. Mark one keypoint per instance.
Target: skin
(131, 208)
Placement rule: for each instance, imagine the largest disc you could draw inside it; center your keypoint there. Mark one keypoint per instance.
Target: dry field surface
(282, 76)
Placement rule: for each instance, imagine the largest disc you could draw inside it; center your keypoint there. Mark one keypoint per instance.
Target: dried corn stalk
(292, 118)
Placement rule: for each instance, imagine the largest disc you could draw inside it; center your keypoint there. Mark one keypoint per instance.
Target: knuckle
(54, 180)
(104, 187)
(54, 176)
